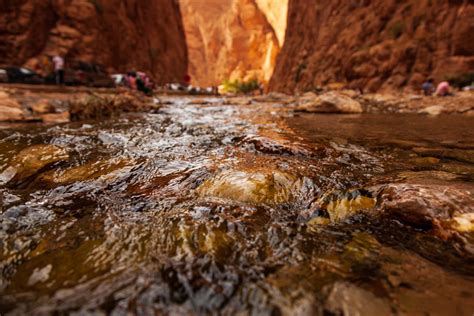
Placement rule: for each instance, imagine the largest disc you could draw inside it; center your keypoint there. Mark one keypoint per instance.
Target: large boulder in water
(443, 208)
(331, 102)
(338, 206)
(257, 187)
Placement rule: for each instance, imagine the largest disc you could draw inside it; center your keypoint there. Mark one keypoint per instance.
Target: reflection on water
(200, 209)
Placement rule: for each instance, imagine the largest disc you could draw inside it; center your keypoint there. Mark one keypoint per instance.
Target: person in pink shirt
(443, 89)
(58, 63)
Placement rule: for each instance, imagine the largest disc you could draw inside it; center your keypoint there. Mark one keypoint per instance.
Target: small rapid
(228, 206)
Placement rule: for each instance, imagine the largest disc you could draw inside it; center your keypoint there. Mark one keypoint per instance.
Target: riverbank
(52, 105)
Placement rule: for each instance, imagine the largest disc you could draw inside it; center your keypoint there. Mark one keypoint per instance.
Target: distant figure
(141, 81)
(58, 62)
(187, 80)
(428, 87)
(132, 80)
(443, 89)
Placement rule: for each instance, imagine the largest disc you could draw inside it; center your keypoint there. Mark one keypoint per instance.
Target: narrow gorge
(233, 39)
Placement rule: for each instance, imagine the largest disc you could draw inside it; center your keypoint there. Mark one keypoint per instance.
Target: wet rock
(463, 222)
(56, 118)
(10, 109)
(31, 161)
(275, 97)
(43, 107)
(252, 186)
(361, 249)
(97, 106)
(8, 113)
(380, 102)
(445, 153)
(436, 206)
(433, 110)
(331, 102)
(347, 299)
(238, 101)
(338, 206)
(428, 175)
(277, 145)
(87, 172)
(425, 160)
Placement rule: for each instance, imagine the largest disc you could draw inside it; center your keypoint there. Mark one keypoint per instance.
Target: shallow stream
(222, 208)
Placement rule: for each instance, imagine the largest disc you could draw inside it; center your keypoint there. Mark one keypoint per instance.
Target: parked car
(19, 75)
(86, 74)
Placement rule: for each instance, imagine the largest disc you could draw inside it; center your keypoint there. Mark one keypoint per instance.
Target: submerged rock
(338, 206)
(277, 145)
(442, 208)
(347, 299)
(466, 155)
(90, 171)
(256, 187)
(31, 161)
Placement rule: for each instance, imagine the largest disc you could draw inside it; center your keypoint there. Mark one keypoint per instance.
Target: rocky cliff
(145, 35)
(276, 13)
(228, 39)
(374, 45)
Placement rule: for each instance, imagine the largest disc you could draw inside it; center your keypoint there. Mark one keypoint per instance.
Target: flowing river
(220, 207)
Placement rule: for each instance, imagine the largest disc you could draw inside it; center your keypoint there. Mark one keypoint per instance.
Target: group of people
(138, 81)
(442, 90)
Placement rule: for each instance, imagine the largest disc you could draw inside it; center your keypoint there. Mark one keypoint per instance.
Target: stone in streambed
(338, 206)
(330, 102)
(347, 299)
(43, 107)
(10, 109)
(445, 208)
(255, 187)
(31, 161)
(90, 171)
(56, 118)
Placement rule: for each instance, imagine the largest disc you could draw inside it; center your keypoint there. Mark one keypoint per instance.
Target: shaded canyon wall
(232, 39)
(122, 35)
(374, 45)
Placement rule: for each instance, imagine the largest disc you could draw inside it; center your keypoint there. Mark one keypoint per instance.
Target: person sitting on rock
(443, 89)
(428, 87)
(141, 86)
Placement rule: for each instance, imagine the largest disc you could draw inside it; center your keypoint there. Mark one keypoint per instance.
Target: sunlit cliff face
(276, 13)
(233, 39)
